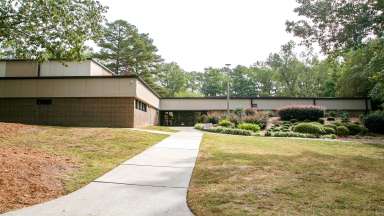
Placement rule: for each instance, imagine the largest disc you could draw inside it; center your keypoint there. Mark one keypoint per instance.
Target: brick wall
(94, 112)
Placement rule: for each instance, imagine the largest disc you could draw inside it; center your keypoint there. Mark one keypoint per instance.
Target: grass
(162, 128)
(238, 175)
(95, 150)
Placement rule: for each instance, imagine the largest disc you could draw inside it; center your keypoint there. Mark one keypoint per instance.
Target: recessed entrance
(179, 118)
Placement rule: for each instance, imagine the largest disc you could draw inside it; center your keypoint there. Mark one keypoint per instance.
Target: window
(44, 101)
(141, 105)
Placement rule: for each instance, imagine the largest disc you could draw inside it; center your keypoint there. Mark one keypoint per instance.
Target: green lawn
(94, 150)
(161, 128)
(238, 175)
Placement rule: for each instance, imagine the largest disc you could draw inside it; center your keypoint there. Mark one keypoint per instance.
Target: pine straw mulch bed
(28, 176)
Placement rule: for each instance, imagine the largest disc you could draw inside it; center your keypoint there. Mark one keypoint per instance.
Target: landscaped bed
(305, 121)
(238, 175)
(39, 163)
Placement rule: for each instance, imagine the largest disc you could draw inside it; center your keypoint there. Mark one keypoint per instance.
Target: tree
(124, 50)
(286, 67)
(49, 29)
(214, 82)
(338, 24)
(172, 78)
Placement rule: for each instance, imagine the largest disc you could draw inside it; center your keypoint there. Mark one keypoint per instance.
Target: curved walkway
(154, 182)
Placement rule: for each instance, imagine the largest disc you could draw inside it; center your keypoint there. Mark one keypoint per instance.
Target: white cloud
(201, 33)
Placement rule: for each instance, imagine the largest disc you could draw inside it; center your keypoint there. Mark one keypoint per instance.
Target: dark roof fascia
(269, 97)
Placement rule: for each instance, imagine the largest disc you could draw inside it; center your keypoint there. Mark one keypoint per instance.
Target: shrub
(203, 119)
(199, 126)
(321, 121)
(213, 119)
(354, 129)
(225, 123)
(250, 127)
(375, 122)
(301, 112)
(331, 119)
(342, 131)
(235, 119)
(233, 131)
(309, 128)
(329, 130)
(292, 134)
(332, 114)
(259, 118)
(328, 136)
(331, 126)
(344, 116)
(250, 112)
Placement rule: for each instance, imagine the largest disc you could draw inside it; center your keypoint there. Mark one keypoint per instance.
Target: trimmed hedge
(375, 122)
(309, 128)
(233, 131)
(301, 112)
(342, 131)
(199, 126)
(301, 135)
(354, 129)
(250, 127)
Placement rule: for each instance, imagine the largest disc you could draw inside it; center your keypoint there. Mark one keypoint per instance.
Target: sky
(201, 33)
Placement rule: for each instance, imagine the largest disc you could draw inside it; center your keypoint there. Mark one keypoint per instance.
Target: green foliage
(172, 78)
(329, 129)
(213, 119)
(199, 126)
(292, 134)
(125, 50)
(310, 128)
(354, 128)
(259, 118)
(233, 131)
(301, 112)
(44, 30)
(213, 82)
(247, 126)
(337, 25)
(203, 119)
(226, 123)
(342, 131)
(375, 122)
(328, 136)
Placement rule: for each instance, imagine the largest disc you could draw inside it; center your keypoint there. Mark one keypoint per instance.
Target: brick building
(88, 94)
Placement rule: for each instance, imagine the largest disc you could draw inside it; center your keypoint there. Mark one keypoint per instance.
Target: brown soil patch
(28, 176)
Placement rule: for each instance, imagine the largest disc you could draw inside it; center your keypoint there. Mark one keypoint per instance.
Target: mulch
(28, 176)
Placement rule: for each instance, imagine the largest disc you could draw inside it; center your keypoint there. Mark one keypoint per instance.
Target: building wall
(2, 69)
(206, 104)
(203, 104)
(20, 69)
(94, 112)
(58, 68)
(343, 104)
(144, 94)
(143, 119)
(275, 104)
(97, 70)
(68, 87)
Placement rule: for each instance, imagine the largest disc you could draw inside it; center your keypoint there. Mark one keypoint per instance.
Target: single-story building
(88, 94)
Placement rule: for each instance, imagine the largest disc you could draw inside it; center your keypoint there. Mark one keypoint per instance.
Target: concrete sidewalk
(154, 182)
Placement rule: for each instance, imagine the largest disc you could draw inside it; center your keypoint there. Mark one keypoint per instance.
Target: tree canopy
(49, 29)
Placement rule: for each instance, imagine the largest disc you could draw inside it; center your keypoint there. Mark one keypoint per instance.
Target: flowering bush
(301, 112)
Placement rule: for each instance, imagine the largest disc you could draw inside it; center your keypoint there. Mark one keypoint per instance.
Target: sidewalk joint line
(140, 185)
